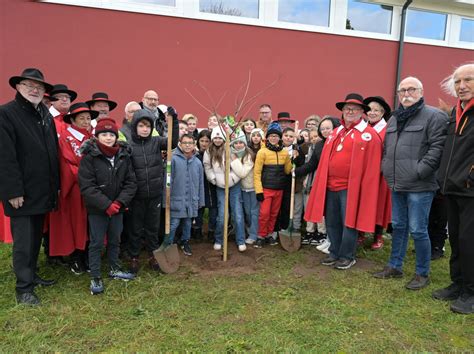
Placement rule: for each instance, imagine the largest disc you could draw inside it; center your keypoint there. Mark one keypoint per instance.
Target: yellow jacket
(270, 169)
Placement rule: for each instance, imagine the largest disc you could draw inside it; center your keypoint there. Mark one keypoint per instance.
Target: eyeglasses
(152, 99)
(187, 143)
(33, 87)
(351, 109)
(62, 97)
(410, 90)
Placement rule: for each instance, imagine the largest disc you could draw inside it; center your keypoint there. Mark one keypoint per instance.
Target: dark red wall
(125, 54)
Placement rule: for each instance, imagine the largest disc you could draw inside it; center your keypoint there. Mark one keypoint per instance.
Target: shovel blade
(167, 258)
(290, 241)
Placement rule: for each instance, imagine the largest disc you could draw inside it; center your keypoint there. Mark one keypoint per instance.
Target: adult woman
(68, 225)
(379, 110)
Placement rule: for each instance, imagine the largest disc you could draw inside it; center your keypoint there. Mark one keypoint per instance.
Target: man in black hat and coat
(63, 98)
(29, 175)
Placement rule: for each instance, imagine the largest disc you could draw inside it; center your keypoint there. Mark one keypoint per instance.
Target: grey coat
(412, 157)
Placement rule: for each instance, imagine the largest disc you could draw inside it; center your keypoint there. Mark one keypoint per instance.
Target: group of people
(70, 175)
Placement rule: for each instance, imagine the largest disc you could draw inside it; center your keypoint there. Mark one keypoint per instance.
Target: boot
(378, 242)
(134, 265)
(154, 264)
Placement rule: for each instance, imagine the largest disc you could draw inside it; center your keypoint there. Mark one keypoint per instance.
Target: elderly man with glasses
(29, 175)
(150, 102)
(413, 146)
(264, 116)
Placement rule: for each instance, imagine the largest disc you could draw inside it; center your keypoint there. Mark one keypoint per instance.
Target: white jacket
(216, 174)
(244, 171)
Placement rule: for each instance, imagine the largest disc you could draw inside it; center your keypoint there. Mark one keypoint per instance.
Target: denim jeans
(211, 216)
(410, 213)
(185, 228)
(343, 239)
(251, 210)
(235, 203)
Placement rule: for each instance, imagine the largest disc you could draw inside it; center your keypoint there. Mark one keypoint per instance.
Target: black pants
(27, 232)
(99, 226)
(461, 238)
(144, 225)
(437, 222)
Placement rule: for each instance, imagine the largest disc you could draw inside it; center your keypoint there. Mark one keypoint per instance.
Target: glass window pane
(151, 2)
(467, 30)
(424, 24)
(309, 12)
(243, 8)
(362, 16)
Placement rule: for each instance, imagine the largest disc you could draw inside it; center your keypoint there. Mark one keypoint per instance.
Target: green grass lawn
(281, 302)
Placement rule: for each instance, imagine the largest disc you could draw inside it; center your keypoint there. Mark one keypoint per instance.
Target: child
(191, 120)
(183, 128)
(203, 142)
(242, 164)
(108, 184)
(143, 220)
(247, 125)
(212, 122)
(214, 165)
(187, 190)
(272, 166)
(256, 138)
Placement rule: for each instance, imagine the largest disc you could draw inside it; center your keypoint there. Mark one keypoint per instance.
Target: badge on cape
(366, 136)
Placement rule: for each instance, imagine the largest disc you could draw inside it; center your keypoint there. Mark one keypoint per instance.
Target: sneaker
(242, 248)
(78, 267)
(437, 253)
(329, 261)
(388, 272)
(378, 243)
(451, 292)
(97, 286)
(28, 299)
(186, 248)
(271, 241)
(307, 238)
(120, 274)
(217, 247)
(418, 282)
(259, 243)
(318, 239)
(464, 304)
(249, 241)
(324, 244)
(134, 265)
(344, 264)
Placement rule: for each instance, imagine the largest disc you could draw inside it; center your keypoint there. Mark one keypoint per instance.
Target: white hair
(127, 106)
(418, 82)
(447, 85)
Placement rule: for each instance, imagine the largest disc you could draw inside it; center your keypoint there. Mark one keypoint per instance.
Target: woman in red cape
(5, 234)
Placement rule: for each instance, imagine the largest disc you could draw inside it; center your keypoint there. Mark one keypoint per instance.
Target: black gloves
(172, 112)
(260, 197)
(300, 140)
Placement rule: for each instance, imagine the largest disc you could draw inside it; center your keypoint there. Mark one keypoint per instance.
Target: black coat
(29, 164)
(100, 182)
(147, 160)
(456, 171)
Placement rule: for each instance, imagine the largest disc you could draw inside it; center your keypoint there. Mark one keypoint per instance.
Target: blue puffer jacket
(187, 185)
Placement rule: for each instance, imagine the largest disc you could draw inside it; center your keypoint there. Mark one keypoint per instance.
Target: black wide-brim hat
(30, 74)
(353, 98)
(381, 101)
(79, 107)
(285, 116)
(61, 88)
(102, 97)
(50, 98)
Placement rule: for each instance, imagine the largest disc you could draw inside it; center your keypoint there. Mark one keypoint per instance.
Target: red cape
(68, 225)
(5, 233)
(364, 179)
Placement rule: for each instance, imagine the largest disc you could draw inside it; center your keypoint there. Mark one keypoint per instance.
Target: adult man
(150, 102)
(125, 133)
(346, 188)
(29, 175)
(285, 120)
(412, 151)
(456, 177)
(100, 102)
(48, 100)
(63, 99)
(264, 117)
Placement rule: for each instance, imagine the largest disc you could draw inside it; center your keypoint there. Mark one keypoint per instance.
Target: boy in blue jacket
(187, 189)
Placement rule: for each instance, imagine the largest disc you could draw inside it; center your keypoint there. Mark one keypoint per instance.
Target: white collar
(380, 125)
(78, 135)
(359, 126)
(54, 112)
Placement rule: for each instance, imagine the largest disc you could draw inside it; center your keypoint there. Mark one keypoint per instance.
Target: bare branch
(245, 95)
(219, 102)
(261, 92)
(197, 101)
(208, 95)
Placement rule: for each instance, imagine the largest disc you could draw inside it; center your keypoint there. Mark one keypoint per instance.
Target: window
(425, 24)
(362, 16)
(467, 30)
(151, 2)
(309, 12)
(242, 8)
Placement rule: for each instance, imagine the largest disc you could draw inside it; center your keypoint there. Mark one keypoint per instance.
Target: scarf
(460, 112)
(239, 153)
(403, 114)
(108, 151)
(276, 148)
(87, 134)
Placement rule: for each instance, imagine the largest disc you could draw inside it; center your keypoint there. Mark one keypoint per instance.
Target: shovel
(167, 254)
(290, 239)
